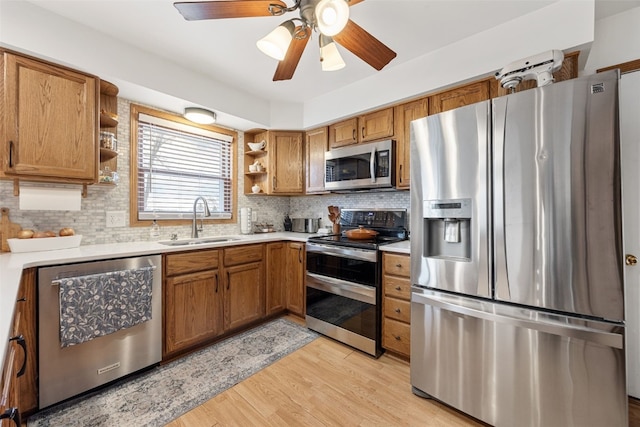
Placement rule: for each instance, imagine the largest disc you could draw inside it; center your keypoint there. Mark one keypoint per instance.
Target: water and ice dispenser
(447, 229)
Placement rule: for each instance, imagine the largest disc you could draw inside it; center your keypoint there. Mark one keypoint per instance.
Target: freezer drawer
(510, 366)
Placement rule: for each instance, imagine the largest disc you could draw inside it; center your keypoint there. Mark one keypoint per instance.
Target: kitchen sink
(199, 241)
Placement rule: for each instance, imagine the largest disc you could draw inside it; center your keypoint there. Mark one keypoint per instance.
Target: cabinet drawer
(398, 265)
(396, 336)
(397, 287)
(242, 255)
(186, 262)
(397, 309)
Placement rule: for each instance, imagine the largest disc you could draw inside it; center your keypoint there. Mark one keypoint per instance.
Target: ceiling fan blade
(288, 65)
(219, 9)
(352, 2)
(362, 44)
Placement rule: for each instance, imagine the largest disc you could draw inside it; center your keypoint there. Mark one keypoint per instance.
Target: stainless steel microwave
(360, 166)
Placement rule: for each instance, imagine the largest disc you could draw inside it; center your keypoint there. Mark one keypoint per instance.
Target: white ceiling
(224, 50)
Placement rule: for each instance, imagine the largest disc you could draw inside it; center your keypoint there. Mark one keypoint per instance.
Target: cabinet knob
(631, 259)
(399, 265)
(398, 288)
(398, 310)
(397, 337)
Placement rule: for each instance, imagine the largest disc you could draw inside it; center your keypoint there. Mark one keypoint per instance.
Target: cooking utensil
(361, 233)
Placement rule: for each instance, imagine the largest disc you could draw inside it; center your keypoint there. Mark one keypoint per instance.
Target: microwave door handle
(372, 165)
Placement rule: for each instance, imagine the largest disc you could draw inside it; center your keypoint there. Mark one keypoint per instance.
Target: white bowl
(255, 189)
(255, 146)
(44, 244)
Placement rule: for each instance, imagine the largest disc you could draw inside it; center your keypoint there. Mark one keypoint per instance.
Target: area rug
(162, 394)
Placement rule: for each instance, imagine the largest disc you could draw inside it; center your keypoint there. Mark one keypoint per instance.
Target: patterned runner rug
(162, 394)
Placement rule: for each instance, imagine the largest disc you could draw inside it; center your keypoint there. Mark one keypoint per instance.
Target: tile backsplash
(90, 221)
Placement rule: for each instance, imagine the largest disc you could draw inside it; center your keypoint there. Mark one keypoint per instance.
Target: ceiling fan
(287, 42)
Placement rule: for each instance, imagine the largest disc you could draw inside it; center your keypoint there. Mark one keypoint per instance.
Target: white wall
(617, 40)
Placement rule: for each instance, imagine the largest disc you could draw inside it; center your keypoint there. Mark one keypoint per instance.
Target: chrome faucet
(194, 226)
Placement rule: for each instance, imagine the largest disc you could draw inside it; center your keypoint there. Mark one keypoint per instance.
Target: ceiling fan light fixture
(276, 43)
(330, 57)
(199, 115)
(331, 16)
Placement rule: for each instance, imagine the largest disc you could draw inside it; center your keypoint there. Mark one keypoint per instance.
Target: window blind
(176, 164)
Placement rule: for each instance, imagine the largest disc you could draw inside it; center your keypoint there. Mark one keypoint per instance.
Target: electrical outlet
(115, 218)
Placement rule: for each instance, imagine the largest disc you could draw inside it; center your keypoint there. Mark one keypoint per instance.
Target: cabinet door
(315, 148)
(26, 305)
(407, 113)
(343, 133)
(460, 96)
(244, 294)
(295, 278)
(277, 273)
(50, 121)
(286, 162)
(193, 309)
(376, 125)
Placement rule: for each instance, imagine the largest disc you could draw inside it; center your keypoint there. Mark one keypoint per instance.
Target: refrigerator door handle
(501, 276)
(598, 336)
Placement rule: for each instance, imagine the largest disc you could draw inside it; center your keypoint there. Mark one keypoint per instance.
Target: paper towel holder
(16, 189)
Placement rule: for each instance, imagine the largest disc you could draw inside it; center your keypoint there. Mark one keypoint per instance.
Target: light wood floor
(325, 384)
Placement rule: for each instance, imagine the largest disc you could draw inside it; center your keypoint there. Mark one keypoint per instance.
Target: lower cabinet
(396, 303)
(210, 292)
(295, 297)
(18, 389)
(285, 277)
(244, 286)
(193, 300)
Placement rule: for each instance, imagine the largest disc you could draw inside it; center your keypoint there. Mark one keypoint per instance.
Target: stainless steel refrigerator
(517, 306)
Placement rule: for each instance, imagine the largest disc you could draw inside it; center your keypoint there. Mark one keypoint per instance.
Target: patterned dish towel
(96, 305)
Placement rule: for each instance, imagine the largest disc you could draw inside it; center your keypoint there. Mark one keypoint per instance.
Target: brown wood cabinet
(244, 285)
(343, 133)
(50, 122)
(316, 145)
(18, 388)
(396, 303)
(296, 257)
(406, 113)
(365, 128)
(193, 300)
(282, 162)
(460, 96)
(285, 278)
(276, 277)
(210, 292)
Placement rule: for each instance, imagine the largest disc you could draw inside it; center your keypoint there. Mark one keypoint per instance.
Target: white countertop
(403, 247)
(12, 264)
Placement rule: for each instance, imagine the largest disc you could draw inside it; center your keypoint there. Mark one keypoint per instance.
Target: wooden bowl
(361, 233)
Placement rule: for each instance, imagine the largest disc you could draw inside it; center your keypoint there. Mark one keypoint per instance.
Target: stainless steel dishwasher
(97, 321)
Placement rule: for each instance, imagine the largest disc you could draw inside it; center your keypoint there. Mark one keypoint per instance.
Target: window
(174, 161)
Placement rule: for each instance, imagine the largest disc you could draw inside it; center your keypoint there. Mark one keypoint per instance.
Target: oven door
(342, 298)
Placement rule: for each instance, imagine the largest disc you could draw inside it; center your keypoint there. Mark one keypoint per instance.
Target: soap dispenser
(154, 233)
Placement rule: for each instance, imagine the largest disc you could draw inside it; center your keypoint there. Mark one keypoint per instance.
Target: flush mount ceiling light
(199, 115)
(286, 43)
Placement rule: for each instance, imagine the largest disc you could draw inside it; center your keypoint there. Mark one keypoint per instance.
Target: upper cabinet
(278, 167)
(316, 146)
(368, 127)
(460, 96)
(405, 114)
(49, 121)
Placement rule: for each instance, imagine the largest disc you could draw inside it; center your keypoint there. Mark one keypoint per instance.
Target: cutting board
(8, 229)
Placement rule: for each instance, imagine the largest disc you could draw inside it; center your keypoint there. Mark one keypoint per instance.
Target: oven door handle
(354, 291)
(342, 252)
